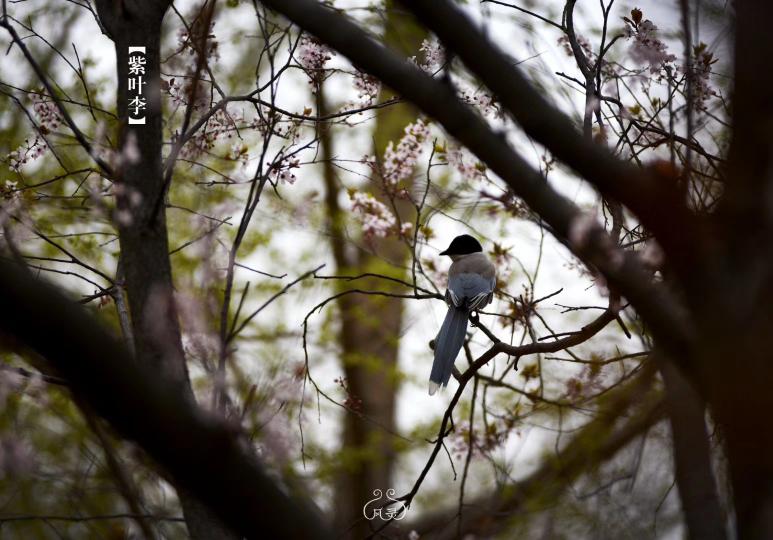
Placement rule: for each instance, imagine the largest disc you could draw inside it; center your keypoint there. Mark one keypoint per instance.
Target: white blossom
(701, 73)
(131, 152)
(483, 102)
(124, 217)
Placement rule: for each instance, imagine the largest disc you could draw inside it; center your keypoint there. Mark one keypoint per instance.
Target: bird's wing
(470, 290)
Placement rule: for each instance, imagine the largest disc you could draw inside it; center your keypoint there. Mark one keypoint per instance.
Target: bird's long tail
(447, 344)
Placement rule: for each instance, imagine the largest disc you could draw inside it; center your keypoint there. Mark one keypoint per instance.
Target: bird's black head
(463, 245)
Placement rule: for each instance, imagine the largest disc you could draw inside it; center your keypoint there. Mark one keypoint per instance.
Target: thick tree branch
(662, 311)
(201, 454)
(694, 473)
(651, 197)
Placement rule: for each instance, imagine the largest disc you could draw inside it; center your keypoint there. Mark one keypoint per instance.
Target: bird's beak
(444, 252)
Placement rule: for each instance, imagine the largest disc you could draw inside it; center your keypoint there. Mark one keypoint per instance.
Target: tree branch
(201, 454)
(663, 312)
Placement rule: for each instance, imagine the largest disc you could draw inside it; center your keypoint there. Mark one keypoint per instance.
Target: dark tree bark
(200, 452)
(143, 236)
(692, 458)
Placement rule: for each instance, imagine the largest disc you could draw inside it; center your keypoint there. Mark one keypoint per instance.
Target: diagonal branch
(663, 312)
(651, 197)
(202, 454)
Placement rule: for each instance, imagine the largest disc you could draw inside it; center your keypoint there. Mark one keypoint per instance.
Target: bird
(471, 281)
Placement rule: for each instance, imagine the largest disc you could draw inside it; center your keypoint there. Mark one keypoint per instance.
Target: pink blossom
(377, 220)
(646, 48)
(465, 163)
(368, 88)
(483, 102)
(131, 152)
(433, 56)
(400, 161)
(312, 56)
(123, 217)
(47, 112)
(219, 126)
(701, 73)
(28, 151)
(282, 170)
(582, 41)
(182, 92)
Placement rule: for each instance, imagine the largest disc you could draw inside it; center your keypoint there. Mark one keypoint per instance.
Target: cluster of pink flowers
(312, 56)
(433, 56)
(368, 88)
(377, 221)
(181, 92)
(581, 41)
(703, 59)
(217, 127)
(47, 113)
(27, 152)
(483, 102)
(463, 162)
(400, 161)
(646, 48)
(281, 171)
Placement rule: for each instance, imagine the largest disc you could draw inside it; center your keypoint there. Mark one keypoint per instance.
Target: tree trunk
(692, 458)
(142, 226)
(370, 325)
